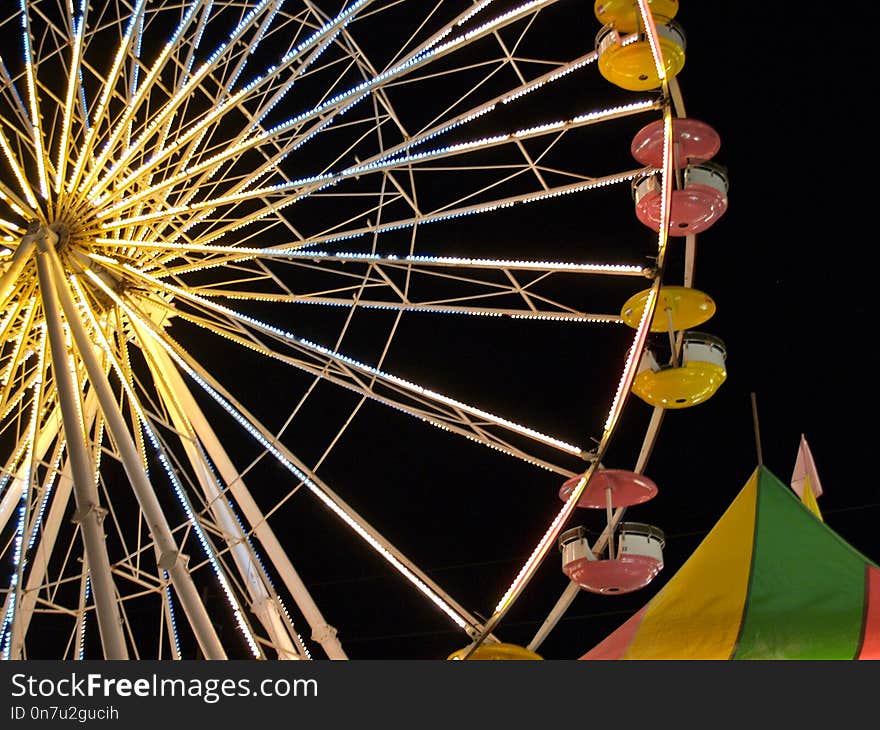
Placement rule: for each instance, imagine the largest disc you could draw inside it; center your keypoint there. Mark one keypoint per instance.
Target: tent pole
(757, 430)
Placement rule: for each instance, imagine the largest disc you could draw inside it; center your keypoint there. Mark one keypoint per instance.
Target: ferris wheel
(259, 255)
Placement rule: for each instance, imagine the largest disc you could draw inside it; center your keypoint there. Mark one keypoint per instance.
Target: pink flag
(805, 472)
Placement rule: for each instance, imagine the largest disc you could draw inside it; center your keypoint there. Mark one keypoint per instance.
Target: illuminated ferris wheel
(232, 232)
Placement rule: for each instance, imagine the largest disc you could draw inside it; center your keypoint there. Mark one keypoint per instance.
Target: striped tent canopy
(770, 581)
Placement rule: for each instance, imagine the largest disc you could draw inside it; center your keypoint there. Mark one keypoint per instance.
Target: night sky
(784, 266)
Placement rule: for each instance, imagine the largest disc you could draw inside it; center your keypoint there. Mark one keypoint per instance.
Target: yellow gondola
(701, 373)
(625, 15)
(686, 307)
(632, 66)
(496, 650)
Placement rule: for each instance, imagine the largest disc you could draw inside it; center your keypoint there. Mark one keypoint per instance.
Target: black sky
(788, 266)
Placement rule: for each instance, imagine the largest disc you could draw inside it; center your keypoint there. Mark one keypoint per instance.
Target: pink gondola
(695, 141)
(627, 489)
(638, 560)
(700, 202)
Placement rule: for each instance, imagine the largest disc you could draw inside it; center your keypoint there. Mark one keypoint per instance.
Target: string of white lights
(293, 339)
(323, 37)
